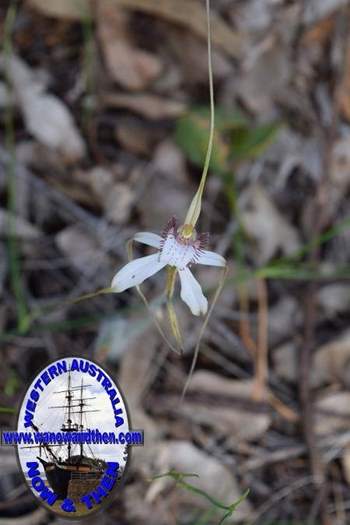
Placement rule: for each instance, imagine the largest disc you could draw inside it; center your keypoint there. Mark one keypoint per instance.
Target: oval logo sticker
(73, 437)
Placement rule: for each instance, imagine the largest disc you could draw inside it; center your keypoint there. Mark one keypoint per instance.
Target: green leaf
(192, 132)
(234, 139)
(250, 143)
(224, 120)
(7, 410)
(227, 120)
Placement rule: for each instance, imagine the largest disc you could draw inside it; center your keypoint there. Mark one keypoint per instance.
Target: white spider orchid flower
(178, 248)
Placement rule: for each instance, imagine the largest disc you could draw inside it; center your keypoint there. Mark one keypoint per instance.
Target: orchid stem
(196, 204)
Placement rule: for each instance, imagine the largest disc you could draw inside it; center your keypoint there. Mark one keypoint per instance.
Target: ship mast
(81, 404)
(68, 425)
(69, 420)
(72, 403)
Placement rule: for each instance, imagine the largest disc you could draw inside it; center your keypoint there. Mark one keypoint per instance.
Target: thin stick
(201, 333)
(148, 306)
(244, 325)
(174, 325)
(261, 365)
(156, 322)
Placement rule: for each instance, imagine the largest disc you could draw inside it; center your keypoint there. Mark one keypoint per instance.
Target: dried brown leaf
(332, 360)
(66, 9)
(21, 228)
(188, 13)
(332, 413)
(264, 222)
(213, 478)
(46, 117)
(128, 65)
(81, 249)
(192, 15)
(226, 418)
(149, 106)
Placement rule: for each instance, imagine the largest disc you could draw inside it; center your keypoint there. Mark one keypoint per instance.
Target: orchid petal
(151, 239)
(210, 259)
(136, 271)
(191, 293)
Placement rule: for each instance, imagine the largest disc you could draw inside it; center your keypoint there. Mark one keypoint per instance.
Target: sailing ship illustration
(68, 466)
